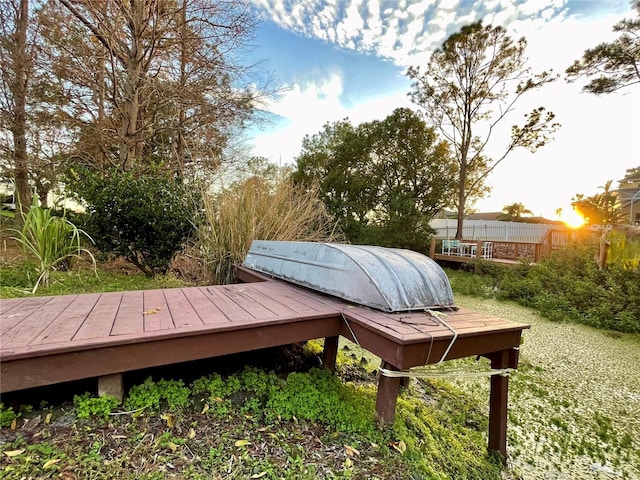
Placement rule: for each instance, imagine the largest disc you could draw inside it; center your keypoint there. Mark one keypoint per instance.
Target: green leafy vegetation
(150, 394)
(88, 406)
(51, 242)
(382, 180)
(259, 424)
(566, 287)
(146, 219)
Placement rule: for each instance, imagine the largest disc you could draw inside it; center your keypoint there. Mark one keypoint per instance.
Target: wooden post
(432, 247)
(498, 400)
(330, 353)
(388, 389)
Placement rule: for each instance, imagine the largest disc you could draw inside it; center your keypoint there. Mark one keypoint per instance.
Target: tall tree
(16, 70)
(465, 92)
(157, 82)
(615, 65)
(382, 180)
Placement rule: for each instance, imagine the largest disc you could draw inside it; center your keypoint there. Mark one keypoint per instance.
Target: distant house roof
(484, 216)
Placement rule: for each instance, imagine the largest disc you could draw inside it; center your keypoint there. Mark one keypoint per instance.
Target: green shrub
(566, 287)
(145, 219)
(51, 241)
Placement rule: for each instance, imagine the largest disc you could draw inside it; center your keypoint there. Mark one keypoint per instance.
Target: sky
(341, 59)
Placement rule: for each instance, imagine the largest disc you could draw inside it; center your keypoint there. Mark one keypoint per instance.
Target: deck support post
(330, 353)
(498, 400)
(111, 385)
(388, 389)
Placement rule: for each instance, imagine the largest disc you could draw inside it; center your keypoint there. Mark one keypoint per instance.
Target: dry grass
(254, 210)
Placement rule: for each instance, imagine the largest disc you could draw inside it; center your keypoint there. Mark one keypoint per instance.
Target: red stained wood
(156, 312)
(17, 310)
(36, 322)
(64, 326)
(99, 321)
(130, 316)
(181, 306)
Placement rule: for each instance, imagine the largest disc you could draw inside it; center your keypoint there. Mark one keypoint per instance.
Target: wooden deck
(47, 340)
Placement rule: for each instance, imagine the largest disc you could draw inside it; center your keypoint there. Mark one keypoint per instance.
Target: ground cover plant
(252, 423)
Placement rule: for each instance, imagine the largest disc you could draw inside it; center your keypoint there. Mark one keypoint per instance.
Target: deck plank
(99, 321)
(156, 312)
(18, 309)
(189, 307)
(233, 311)
(36, 322)
(66, 324)
(130, 318)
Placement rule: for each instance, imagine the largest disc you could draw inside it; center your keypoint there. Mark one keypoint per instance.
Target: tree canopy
(514, 212)
(144, 86)
(614, 65)
(469, 86)
(382, 180)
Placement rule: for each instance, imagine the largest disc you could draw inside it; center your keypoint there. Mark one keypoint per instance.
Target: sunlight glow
(572, 218)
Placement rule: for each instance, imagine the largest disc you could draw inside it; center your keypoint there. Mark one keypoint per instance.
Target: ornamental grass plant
(52, 241)
(257, 209)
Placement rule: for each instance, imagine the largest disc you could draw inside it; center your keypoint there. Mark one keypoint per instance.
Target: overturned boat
(389, 279)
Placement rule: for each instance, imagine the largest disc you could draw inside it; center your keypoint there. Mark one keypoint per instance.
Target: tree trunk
(19, 125)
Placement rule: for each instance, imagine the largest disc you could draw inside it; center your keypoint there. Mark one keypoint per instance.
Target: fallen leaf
(191, 434)
(14, 424)
(348, 463)
(205, 409)
(47, 419)
(13, 453)
(172, 446)
(259, 475)
(399, 446)
(50, 463)
(152, 311)
(242, 443)
(351, 451)
(169, 418)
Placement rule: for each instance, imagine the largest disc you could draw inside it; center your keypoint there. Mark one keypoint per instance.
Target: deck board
(182, 305)
(99, 321)
(36, 322)
(257, 314)
(156, 312)
(64, 327)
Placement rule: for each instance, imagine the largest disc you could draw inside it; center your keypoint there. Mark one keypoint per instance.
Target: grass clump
(50, 241)
(257, 209)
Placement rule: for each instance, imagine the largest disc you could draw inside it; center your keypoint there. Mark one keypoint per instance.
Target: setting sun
(572, 218)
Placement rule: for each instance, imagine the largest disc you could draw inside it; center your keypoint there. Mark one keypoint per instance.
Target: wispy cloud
(401, 30)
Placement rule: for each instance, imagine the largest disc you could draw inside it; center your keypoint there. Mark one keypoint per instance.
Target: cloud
(402, 30)
(304, 109)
